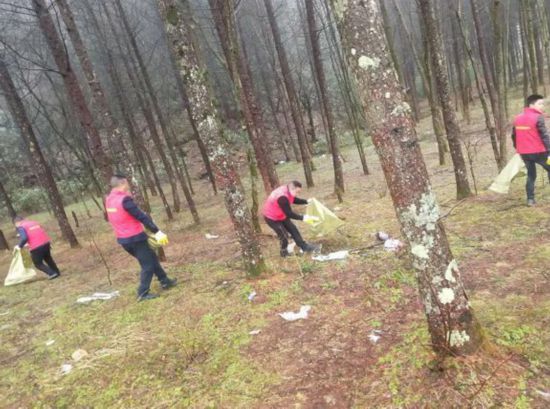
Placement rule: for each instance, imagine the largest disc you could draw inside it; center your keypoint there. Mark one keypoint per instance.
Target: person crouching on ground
(532, 142)
(31, 233)
(127, 221)
(278, 213)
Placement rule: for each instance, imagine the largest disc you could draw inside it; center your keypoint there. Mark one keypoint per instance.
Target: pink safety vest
(36, 235)
(271, 208)
(124, 224)
(528, 139)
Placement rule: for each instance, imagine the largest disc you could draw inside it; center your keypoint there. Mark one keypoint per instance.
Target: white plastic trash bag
(328, 221)
(515, 167)
(20, 268)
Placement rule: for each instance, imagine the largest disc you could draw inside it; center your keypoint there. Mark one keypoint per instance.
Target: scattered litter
(211, 236)
(337, 209)
(337, 255)
(79, 354)
(290, 248)
(98, 296)
(382, 235)
(323, 156)
(66, 368)
(545, 395)
(251, 295)
(4, 313)
(374, 336)
(293, 316)
(5, 326)
(393, 245)
(50, 342)
(282, 162)
(255, 332)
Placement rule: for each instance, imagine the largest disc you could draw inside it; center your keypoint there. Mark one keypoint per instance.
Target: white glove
(17, 248)
(310, 200)
(310, 219)
(161, 238)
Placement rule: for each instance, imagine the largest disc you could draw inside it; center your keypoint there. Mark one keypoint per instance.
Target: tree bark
(34, 153)
(291, 92)
(179, 27)
(452, 127)
(325, 103)
(74, 92)
(9, 205)
(451, 322)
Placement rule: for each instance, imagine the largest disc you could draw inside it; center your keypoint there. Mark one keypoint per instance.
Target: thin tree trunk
(451, 322)
(74, 92)
(180, 33)
(449, 115)
(170, 143)
(291, 92)
(223, 12)
(325, 103)
(34, 153)
(7, 201)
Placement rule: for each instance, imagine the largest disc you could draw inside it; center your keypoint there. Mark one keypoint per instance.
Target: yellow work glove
(310, 219)
(161, 238)
(548, 160)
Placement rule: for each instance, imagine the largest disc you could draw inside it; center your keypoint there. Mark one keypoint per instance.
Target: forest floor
(192, 347)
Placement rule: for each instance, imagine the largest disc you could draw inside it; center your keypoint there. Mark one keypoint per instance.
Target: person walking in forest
(278, 213)
(128, 223)
(33, 235)
(532, 141)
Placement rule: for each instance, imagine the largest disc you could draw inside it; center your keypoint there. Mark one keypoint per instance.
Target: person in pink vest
(532, 142)
(278, 215)
(127, 221)
(33, 235)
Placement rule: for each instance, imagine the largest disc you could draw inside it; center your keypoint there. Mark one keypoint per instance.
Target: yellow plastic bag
(20, 269)
(153, 243)
(515, 167)
(328, 221)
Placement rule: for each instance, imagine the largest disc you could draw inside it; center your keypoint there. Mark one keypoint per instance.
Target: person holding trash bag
(532, 142)
(33, 235)
(278, 213)
(128, 223)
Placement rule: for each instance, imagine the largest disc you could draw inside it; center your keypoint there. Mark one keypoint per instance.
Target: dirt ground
(363, 345)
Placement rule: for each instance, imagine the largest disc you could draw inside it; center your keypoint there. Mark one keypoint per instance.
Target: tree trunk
(170, 143)
(4, 245)
(325, 103)
(122, 161)
(34, 153)
(224, 18)
(74, 92)
(291, 92)
(179, 27)
(452, 325)
(452, 127)
(9, 205)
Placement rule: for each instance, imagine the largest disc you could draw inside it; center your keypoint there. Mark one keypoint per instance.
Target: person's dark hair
(117, 179)
(17, 218)
(295, 183)
(531, 99)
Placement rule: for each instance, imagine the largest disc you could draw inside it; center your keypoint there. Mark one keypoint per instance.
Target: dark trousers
(149, 263)
(43, 260)
(283, 228)
(531, 160)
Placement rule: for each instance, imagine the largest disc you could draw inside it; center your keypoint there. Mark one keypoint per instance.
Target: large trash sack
(20, 269)
(515, 167)
(328, 221)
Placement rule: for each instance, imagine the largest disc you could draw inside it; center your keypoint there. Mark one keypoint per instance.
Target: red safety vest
(124, 224)
(36, 235)
(528, 139)
(271, 208)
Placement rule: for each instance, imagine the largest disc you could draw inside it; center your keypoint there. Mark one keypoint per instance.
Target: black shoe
(311, 248)
(53, 276)
(169, 283)
(284, 253)
(147, 296)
